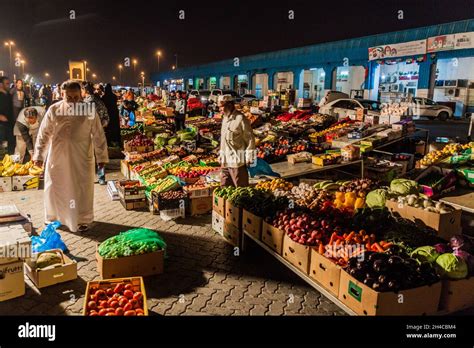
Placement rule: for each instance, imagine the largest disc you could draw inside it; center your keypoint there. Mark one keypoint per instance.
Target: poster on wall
(397, 50)
(464, 40)
(440, 43)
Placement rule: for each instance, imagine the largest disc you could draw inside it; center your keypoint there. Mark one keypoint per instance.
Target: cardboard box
(363, 300)
(456, 294)
(325, 271)
(137, 283)
(15, 242)
(297, 254)
(133, 205)
(202, 205)
(127, 266)
(12, 280)
(385, 119)
(25, 182)
(131, 193)
(194, 192)
(124, 169)
(446, 182)
(447, 225)
(218, 204)
(5, 184)
(54, 274)
(172, 214)
(372, 119)
(233, 214)
(218, 223)
(232, 234)
(273, 237)
(252, 224)
(138, 149)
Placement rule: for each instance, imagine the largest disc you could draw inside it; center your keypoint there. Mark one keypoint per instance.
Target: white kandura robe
(68, 144)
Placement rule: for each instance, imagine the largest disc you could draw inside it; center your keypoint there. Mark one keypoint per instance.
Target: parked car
(347, 107)
(215, 93)
(330, 96)
(431, 109)
(202, 94)
(248, 98)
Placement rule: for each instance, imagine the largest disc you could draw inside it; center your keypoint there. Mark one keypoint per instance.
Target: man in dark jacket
(19, 97)
(7, 120)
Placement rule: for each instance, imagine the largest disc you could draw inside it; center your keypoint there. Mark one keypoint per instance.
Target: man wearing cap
(237, 149)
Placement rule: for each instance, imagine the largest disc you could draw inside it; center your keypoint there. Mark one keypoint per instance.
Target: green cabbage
(425, 254)
(451, 266)
(376, 198)
(404, 186)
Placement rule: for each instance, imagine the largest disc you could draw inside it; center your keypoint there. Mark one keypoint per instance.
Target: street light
(134, 65)
(9, 44)
(173, 67)
(22, 67)
(113, 78)
(142, 74)
(94, 75)
(158, 53)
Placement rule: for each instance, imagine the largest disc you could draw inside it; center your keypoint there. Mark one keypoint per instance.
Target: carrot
(387, 245)
(368, 246)
(378, 248)
(362, 232)
(333, 236)
(357, 240)
(382, 243)
(321, 248)
(345, 235)
(350, 236)
(338, 242)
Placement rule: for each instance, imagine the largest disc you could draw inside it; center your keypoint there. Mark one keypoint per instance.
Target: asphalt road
(449, 128)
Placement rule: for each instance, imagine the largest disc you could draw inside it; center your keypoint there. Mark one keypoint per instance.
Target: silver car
(431, 109)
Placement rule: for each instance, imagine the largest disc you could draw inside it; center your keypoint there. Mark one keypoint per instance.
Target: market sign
(397, 50)
(450, 42)
(440, 43)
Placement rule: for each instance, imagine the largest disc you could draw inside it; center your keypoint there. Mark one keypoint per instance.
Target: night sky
(104, 32)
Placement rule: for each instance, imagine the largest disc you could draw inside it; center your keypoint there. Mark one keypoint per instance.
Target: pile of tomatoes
(119, 301)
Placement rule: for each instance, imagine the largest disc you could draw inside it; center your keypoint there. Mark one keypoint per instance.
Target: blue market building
(434, 61)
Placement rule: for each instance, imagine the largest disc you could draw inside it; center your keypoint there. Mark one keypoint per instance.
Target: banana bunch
(327, 185)
(35, 170)
(23, 169)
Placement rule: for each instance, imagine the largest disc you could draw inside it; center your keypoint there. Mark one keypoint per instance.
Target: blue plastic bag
(49, 239)
(131, 121)
(262, 168)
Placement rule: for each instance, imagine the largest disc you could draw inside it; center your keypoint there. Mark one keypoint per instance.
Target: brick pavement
(202, 276)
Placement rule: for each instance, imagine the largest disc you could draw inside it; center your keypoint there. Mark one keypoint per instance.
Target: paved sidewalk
(202, 276)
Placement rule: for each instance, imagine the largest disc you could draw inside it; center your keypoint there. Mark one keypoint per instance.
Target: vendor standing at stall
(180, 111)
(26, 130)
(237, 150)
(71, 139)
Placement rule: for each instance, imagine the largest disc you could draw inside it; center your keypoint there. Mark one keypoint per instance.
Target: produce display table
(298, 272)
(417, 130)
(460, 198)
(288, 170)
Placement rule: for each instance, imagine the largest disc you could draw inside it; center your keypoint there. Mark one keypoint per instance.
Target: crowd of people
(72, 146)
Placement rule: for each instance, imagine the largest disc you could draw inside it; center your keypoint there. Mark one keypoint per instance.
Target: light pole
(18, 56)
(94, 76)
(176, 55)
(85, 70)
(22, 67)
(158, 55)
(120, 67)
(113, 78)
(9, 44)
(173, 67)
(46, 75)
(134, 65)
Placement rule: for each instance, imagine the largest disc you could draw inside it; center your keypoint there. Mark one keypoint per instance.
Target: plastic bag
(49, 239)
(133, 242)
(262, 168)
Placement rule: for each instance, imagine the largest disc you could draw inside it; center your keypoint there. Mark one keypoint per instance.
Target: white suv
(431, 109)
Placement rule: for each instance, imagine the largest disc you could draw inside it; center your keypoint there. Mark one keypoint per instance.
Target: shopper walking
(19, 97)
(26, 130)
(71, 145)
(180, 111)
(237, 149)
(112, 132)
(7, 121)
(88, 93)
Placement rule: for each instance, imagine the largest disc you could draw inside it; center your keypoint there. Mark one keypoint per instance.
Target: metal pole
(10, 49)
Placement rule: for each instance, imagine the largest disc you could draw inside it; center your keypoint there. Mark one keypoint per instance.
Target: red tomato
(123, 302)
(104, 304)
(114, 304)
(92, 305)
(139, 310)
(129, 287)
(128, 307)
(111, 314)
(138, 296)
(110, 292)
(130, 313)
(93, 314)
(128, 294)
(92, 291)
(103, 312)
(140, 314)
(110, 310)
(116, 296)
(118, 288)
(93, 297)
(133, 302)
(138, 305)
(122, 298)
(101, 294)
(119, 311)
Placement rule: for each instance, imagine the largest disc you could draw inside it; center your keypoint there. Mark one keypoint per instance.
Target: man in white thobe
(69, 136)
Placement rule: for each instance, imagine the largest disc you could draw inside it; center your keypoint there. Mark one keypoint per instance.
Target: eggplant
(357, 274)
(369, 281)
(395, 260)
(380, 266)
(376, 286)
(352, 262)
(383, 279)
(378, 256)
(393, 285)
